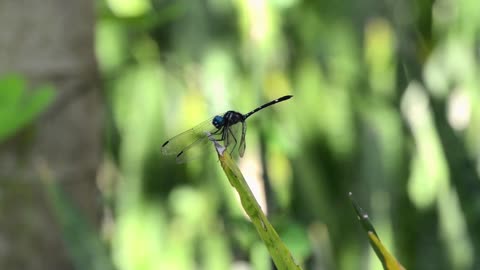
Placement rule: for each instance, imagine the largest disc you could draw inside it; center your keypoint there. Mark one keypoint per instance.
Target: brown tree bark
(49, 41)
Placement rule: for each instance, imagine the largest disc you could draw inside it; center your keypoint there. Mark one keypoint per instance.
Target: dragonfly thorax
(232, 118)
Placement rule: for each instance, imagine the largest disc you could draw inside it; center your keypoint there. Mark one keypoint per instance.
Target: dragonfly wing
(199, 148)
(242, 145)
(193, 151)
(188, 139)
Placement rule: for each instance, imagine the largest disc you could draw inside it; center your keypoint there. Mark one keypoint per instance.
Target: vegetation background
(386, 105)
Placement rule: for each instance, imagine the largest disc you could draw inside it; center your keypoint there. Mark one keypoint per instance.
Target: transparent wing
(198, 149)
(241, 147)
(186, 143)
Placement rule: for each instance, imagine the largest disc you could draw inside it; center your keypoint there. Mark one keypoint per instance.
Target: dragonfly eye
(218, 121)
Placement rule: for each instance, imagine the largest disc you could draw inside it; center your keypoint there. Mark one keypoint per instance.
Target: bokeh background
(386, 105)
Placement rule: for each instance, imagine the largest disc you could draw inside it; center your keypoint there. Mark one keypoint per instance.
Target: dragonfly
(229, 128)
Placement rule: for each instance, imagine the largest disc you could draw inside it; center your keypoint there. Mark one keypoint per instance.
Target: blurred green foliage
(18, 108)
(386, 104)
(85, 247)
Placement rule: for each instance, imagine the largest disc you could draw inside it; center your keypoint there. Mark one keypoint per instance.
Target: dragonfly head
(218, 121)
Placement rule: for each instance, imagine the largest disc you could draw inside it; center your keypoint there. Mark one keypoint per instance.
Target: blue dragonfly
(229, 128)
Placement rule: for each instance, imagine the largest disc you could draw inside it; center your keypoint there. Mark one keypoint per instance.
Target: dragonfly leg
(217, 132)
(235, 139)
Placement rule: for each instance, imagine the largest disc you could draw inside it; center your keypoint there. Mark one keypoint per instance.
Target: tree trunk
(49, 41)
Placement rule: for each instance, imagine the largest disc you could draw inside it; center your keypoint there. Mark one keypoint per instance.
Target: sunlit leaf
(280, 254)
(388, 261)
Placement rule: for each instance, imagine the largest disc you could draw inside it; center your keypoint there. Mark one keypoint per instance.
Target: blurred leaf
(17, 107)
(278, 251)
(388, 261)
(129, 8)
(296, 237)
(84, 245)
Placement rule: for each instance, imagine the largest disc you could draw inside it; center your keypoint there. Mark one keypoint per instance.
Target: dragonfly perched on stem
(221, 128)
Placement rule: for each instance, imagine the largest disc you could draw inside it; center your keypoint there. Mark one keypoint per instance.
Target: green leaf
(11, 87)
(280, 254)
(388, 261)
(19, 108)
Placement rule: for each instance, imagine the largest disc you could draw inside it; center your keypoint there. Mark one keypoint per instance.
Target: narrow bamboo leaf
(388, 261)
(84, 246)
(280, 254)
